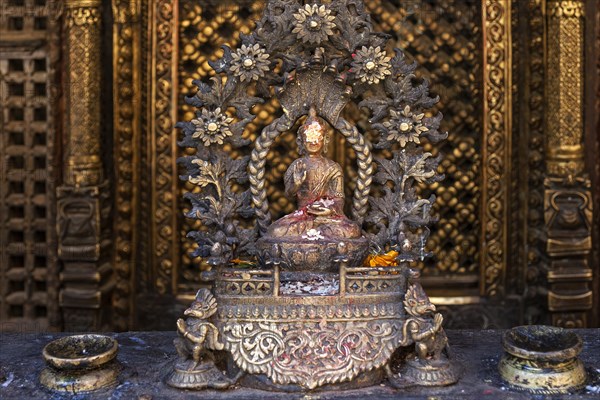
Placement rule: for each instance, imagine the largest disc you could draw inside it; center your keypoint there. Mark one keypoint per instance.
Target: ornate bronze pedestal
(316, 300)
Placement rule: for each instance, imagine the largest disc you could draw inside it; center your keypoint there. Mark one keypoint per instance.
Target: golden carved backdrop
(490, 242)
(446, 39)
(513, 242)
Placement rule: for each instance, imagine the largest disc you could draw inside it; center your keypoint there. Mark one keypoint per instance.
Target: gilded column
(127, 110)
(567, 199)
(82, 198)
(496, 142)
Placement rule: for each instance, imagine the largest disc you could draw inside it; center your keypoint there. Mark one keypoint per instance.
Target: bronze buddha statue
(309, 238)
(318, 185)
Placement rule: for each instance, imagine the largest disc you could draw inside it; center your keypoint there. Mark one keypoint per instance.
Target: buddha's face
(314, 138)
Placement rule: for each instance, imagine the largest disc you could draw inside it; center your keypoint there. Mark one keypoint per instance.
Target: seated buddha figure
(318, 185)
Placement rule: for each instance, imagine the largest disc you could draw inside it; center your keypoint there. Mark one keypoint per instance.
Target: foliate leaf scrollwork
(399, 114)
(217, 205)
(312, 354)
(399, 213)
(336, 41)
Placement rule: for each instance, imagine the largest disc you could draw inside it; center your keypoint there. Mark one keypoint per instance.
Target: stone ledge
(148, 356)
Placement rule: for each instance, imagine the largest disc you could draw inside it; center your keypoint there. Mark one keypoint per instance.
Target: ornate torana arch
(321, 56)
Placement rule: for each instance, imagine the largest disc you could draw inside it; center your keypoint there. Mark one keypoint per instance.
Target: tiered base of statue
(291, 342)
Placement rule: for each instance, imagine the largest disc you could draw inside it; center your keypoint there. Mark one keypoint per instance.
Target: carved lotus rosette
(312, 345)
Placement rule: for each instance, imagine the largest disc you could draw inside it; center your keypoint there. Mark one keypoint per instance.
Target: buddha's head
(312, 136)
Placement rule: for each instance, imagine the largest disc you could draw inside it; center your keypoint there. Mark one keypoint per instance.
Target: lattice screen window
(26, 16)
(25, 134)
(444, 38)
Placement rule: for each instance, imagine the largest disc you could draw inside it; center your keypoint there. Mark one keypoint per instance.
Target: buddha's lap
(338, 227)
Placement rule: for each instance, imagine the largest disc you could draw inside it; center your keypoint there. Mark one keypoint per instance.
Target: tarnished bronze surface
(542, 359)
(80, 363)
(354, 312)
(142, 375)
(310, 238)
(427, 365)
(80, 351)
(412, 26)
(196, 369)
(302, 255)
(313, 341)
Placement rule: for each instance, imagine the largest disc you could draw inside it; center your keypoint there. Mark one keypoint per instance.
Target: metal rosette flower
(249, 62)
(405, 126)
(211, 126)
(314, 23)
(371, 65)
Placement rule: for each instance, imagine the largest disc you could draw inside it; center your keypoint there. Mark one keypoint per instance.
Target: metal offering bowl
(542, 359)
(80, 352)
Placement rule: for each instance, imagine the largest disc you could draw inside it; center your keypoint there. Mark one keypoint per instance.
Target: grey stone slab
(147, 357)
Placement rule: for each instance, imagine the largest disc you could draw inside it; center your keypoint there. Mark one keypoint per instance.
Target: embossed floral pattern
(212, 126)
(371, 64)
(405, 126)
(312, 355)
(314, 23)
(249, 62)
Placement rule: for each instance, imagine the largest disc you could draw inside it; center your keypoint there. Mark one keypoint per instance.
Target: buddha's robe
(323, 188)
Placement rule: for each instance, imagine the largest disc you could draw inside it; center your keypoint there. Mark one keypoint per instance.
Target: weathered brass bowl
(80, 363)
(542, 359)
(80, 351)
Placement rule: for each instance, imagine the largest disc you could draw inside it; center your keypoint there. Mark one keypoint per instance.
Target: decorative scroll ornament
(497, 129)
(312, 354)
